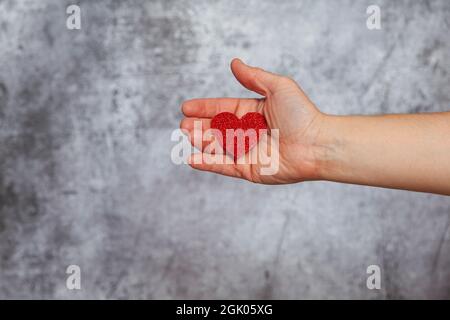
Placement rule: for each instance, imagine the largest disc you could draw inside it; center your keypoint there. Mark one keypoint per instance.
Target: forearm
(395, 151)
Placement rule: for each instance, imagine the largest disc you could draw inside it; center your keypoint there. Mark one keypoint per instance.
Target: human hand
(285, 107)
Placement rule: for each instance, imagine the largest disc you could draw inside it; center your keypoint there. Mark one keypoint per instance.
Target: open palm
(285, 107)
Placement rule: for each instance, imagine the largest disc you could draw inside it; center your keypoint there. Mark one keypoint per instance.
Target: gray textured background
(85, 170)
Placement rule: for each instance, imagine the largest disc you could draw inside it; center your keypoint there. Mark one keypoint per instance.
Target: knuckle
(288, 81)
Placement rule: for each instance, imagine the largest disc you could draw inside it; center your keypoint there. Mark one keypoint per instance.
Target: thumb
(255, 79)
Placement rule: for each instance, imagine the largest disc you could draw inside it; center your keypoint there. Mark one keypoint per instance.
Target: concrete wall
(85, 170)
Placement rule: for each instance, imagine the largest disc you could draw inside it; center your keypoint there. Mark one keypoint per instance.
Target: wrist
(329, 147)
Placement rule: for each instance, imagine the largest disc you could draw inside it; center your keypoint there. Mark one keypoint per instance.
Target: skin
(401, 151)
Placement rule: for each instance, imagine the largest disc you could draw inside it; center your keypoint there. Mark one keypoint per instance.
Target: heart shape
(228, 121)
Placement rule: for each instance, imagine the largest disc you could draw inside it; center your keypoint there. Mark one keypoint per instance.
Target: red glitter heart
(227, 120)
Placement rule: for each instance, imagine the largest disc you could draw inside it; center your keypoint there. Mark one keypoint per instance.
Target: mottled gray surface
(85, 170)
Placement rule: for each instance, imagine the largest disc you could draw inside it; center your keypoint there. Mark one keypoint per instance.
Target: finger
(209, 107)
(223, 165)
(189, 123)
(197, 130)
(255, 79)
